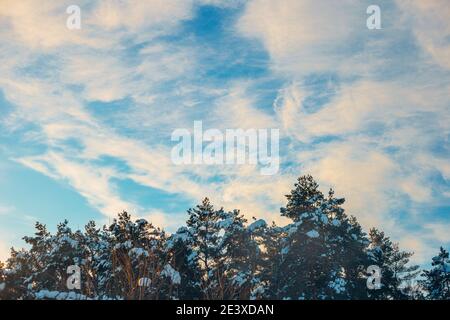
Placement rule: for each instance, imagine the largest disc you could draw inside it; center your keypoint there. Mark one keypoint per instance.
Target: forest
(323, 253)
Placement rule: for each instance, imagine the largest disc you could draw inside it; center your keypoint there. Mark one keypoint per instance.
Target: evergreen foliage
(321, 254)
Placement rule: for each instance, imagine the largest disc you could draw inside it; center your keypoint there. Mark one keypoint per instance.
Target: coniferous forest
(323, 253)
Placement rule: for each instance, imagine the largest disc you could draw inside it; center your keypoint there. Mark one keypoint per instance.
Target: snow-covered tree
(238, 256)
(203, 227)
(437, 280)
(183, 258)
(347, 243)
(271, 278)
(138, 252)
(222, 250)
(393, 263)
(321, 254)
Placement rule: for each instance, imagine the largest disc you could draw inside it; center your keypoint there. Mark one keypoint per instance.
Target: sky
(86, 115)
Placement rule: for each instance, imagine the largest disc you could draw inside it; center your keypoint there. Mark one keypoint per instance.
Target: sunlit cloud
(365, 111)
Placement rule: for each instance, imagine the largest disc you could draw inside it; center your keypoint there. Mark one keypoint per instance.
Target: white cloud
(430, 26)
(92, 183)
(238, 109)
(366, 116)
(363, 176)
(137, 15)
(376, 132)
(302, 36)
(439, 231)
(43, 25)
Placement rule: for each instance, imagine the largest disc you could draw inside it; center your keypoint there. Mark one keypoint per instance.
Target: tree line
(323, 253)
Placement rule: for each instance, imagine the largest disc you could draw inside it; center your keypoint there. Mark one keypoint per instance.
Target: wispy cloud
(365, 111)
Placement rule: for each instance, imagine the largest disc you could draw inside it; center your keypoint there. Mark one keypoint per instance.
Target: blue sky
(86, 115)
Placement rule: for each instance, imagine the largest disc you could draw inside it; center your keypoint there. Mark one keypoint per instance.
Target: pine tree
(17, 270)
(238, 253)
(97, 261)
(437, 280)
(222, 252)
(347, 245)
(306, 264)
(393, 262)
(304, 198)
(324, 249)
(183, 257)
(202, 224)
(271, 259)
(138, 252)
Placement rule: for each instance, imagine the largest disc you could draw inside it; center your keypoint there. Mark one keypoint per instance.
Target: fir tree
(183, 257)
(222, 252)
(347, 245)
(306, 265)
(324, 249)
(437, 279)
(272, 240)
(202, 223)
(238, 255)
(393, 262)
(138, 252)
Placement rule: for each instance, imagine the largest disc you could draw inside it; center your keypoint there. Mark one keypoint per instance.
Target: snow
(259, 290)
(57, 295)
(304, 215)
(11, 271)
(312, 234)
(224, 224)
(336, 222)
(138, 252)
(70, 241)
(182, 235)
(257, 225)
(446, 267)
(141, 222)
(192, 256)
(374, 252)
(292, 230)
(172, 274)
(240, 279)
(71, 295)
(126, 245)
(338, 285)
